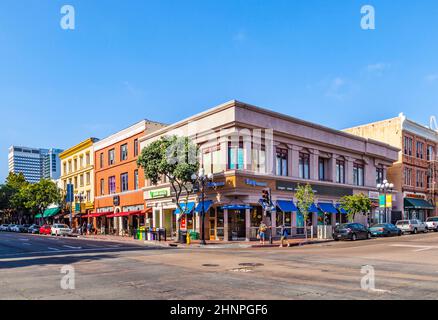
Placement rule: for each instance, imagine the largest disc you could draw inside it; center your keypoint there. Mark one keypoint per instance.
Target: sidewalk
(197, 244)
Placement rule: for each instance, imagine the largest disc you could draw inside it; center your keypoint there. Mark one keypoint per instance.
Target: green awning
(39, 215)
(412, 203)
(51, 212)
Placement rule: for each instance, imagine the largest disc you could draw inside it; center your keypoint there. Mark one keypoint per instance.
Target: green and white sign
(159, 193)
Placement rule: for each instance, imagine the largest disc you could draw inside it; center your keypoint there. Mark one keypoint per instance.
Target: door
(236, 222)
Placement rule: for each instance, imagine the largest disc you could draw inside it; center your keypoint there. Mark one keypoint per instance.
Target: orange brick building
(119, 202)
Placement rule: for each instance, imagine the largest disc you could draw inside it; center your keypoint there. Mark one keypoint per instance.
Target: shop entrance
(236, 224)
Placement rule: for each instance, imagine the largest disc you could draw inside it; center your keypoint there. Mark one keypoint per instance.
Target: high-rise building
(35, 164)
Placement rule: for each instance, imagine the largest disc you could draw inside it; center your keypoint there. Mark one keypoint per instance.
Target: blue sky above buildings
(166, 60)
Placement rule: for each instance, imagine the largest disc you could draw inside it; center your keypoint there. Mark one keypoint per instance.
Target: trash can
(141, 232)
(183, 237)
(194, 235)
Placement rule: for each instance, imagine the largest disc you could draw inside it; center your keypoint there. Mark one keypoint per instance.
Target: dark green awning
(39, 215)
(51, 212)
(412, 203)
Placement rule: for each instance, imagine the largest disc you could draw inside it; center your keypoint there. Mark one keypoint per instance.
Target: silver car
(412, 226)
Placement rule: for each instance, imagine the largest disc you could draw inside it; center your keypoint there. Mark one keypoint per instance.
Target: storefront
(417, 208)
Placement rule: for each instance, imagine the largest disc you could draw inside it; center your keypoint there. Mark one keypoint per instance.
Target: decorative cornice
(78, 148)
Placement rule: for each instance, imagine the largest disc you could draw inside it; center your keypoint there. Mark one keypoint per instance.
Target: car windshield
(435, 219)
(61, 226)
(380, 225)
(403, 222)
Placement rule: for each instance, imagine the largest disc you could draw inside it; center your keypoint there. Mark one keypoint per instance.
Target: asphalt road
(404, 268)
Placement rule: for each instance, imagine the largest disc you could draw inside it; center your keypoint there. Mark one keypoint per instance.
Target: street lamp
(386, 188)
(201, 180)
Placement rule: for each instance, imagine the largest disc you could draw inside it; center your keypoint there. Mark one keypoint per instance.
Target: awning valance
(207, 205)
(327, 207)
(286, 206)
(412, 203)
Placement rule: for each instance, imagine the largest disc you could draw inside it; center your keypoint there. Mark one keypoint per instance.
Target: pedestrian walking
(262, 232)
(284, 235)
(89, 227)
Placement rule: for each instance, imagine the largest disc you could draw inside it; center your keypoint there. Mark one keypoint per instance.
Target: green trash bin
(194, 235)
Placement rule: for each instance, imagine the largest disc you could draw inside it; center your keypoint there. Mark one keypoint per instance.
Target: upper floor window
(81, 162)
(380, 172)
(88, 178)
(75, 164)
(408, 176)
(102, 187)
(135, 147)
(136, 186)
(124, 152)
(358, 174)
(69, 166)
(101, 160)
(87, 159)
(408, 146)
(420, 179)
(81, 180)
(430, 153)
(124, 182)
(322, 165)
(258, 158)
(112, 185)
(304, 166)
(64, 166)
(420, 151)
(340, 171)
(235, 156)
(281, 162)
(111, 157)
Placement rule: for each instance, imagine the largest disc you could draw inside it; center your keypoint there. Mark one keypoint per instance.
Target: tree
(13, 203)
(354, 204)
(175, 158)
(40, 195)
(305, 198)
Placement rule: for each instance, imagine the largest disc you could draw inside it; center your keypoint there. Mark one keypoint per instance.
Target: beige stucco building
(250, 149)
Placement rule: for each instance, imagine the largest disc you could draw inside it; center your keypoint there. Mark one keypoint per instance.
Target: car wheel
(415, 231)
(399, 233)
(353, 237)
(368, 235)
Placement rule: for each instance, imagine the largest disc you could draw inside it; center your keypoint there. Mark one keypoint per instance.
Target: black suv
(351, 231)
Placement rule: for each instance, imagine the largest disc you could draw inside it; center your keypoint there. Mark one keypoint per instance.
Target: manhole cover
(250, 264)
(210, 265)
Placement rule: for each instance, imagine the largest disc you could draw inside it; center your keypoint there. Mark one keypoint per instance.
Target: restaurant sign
(159, 193)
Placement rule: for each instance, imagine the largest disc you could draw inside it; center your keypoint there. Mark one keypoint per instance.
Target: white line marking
(70, 247)
(55, 249)
(22, 239)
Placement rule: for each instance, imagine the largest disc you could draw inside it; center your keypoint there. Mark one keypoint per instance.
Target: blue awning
(340, 209)
(313, 208)
(207, 205)
(236, 207)
(286, 206)
(187, 209)
(327, 207)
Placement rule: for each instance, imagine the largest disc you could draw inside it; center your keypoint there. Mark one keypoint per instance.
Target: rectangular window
(123, 152)
(81, 180)
(81, 162)
(102, 187)
(101, 160)
(64, 165)
(281, 162)
(216, 159)
(340, 171)
(112, 185)
(321, 169)
(135, 147)
(420, 179)
(430, 153)
(75, 164)
(207, 162)
(87, 178)
(358, 174)
(408, 144)
(420, 153)
(76, 183)
(124, 182)
(111, 157)
(136, 180)
(235, 156)
(87, 159)
(88, 195)
(408, 176)
(304, 166)
(380, 175)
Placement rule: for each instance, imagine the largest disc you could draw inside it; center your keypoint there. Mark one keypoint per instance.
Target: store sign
(116, 201)
(415, 196)
(318, 189)
(374, 195)
(215, 184)
(183, 223)
(388, 201)
(159, 193)
(255, 183)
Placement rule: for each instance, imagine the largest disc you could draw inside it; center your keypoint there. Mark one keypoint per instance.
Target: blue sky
(165, 60)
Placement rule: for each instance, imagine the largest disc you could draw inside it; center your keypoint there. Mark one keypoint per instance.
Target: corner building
(249, 149)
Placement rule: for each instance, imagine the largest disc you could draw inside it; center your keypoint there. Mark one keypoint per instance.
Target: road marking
(70, 247)
(22, 239)
(26, 244)
(418, 247)
(55, 249)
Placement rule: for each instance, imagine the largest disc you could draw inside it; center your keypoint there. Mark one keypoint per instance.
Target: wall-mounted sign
(183, 223)
(116, 201)
(374, 195)
(318, 189)
(255, 183)
(215, 184)
(159, 193)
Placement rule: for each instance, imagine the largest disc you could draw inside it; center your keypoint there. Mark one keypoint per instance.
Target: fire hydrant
(188, 238)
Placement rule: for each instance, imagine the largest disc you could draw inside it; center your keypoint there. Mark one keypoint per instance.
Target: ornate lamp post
(386, 188)
(201, 179)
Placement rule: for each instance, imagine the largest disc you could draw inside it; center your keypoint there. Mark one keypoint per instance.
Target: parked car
(59, 229)
(15, 228)
(432, 223)
(385, 230)
(34, 229)
(10, 226)
(4, 227)
(46, 229)
(412, 226)
(23, 228)
(351, 231)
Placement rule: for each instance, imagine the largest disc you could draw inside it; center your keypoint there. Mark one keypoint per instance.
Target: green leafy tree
(41, 195)
(175, 158)
(13, 204)
(305, 198)
(354, 204)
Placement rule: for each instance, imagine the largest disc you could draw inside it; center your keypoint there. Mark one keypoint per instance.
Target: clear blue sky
(165, 60)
